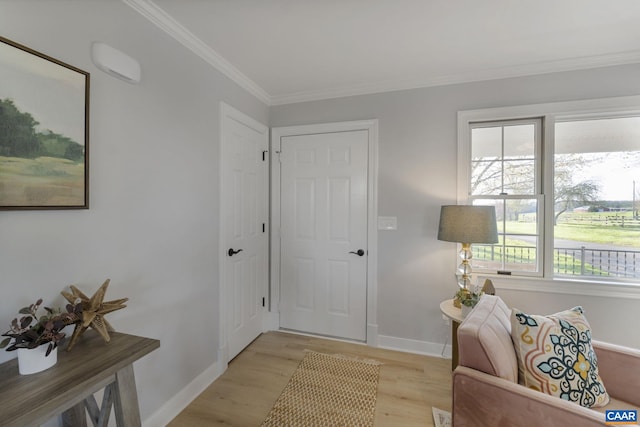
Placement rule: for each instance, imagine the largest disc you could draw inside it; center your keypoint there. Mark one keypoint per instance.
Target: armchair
(486, 392)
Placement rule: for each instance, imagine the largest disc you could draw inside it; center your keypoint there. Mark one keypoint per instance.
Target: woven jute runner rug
(328, 390)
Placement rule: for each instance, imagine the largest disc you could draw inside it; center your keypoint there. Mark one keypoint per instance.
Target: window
(565, 185)
(505, 173)
(596, 187)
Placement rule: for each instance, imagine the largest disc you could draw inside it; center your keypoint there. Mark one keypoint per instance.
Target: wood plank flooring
(409, 385)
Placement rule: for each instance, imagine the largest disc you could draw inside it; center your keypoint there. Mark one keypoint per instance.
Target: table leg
(125, 398)
(75, 416)
(454, 344)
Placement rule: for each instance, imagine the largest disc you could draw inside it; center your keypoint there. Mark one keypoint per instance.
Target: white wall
(417, 155)
(152, 226)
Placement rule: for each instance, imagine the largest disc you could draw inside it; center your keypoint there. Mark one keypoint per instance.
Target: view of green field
(613, 236)
(38, 168)
(612, 228)
(41, 181)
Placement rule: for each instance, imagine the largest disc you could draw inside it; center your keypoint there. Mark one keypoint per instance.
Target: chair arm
(483, 400)
(619, 368)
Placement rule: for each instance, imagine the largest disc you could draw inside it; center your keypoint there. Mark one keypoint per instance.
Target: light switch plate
(387, 223)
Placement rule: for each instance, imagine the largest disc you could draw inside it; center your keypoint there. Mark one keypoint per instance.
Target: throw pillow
(555, 356)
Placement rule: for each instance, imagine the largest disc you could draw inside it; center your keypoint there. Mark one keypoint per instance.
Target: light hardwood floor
(409, 385)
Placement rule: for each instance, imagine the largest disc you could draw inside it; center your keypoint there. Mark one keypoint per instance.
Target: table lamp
(467, 224)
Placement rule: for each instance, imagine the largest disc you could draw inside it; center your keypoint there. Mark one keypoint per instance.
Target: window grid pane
(504, 174)
(503, 158)
(519, 236)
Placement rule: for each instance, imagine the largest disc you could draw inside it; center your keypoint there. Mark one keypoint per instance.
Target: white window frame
(550, 113)
(538, 192)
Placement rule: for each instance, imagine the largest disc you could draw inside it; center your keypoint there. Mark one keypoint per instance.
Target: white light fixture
(115, 63)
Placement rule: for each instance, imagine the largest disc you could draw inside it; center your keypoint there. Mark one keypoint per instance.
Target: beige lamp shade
(468, 224)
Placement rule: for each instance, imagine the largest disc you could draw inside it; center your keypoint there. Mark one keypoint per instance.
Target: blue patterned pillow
(555, 356)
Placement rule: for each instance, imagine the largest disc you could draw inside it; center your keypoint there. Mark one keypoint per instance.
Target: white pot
(465, 310)
(34, 360)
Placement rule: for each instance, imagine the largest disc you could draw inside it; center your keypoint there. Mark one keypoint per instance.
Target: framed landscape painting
(44, 131)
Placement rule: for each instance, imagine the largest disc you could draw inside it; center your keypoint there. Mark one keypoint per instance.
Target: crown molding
(546, 67)
(169, 25)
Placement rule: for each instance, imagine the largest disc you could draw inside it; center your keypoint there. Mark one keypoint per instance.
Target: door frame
(228, 112)
(277, 133)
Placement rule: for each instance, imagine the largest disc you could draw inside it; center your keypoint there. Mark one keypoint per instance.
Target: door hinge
(264, 155)
(263, 302)
(279, 153)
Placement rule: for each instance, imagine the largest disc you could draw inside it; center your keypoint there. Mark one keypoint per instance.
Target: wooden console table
(68, 387)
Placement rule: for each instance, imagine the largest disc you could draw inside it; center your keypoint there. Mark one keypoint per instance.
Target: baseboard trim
(415, 346)
(372, 335)
(171, 408)
(272, 321)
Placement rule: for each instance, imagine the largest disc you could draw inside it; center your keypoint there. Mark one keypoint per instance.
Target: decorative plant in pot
(36, 338)
(468, 299)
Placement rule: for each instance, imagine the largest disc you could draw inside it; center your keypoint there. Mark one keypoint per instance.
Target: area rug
(328, 390)
(441, 418)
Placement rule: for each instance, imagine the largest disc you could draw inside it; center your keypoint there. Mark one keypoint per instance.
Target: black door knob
(359, 252)
(231, 252)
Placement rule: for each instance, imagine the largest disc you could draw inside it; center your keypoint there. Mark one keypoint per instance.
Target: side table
(68, 387)
(455, 315)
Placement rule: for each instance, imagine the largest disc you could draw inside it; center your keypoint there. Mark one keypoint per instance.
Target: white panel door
(323, 232)
(245, 215)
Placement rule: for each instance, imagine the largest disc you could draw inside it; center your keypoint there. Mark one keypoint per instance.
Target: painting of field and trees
(43, 131)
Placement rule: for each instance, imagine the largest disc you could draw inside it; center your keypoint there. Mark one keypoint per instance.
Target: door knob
(231, 252)
(359, 252)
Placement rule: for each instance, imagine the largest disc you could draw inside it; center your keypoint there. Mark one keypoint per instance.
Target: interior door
(323, 233)
(245, 192)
